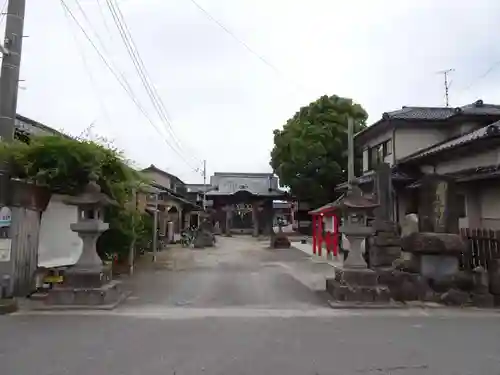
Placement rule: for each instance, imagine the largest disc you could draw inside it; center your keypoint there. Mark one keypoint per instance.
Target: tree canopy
(310, 153)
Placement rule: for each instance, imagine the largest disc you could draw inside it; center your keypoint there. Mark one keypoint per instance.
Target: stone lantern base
(358, 286)
(86, 288)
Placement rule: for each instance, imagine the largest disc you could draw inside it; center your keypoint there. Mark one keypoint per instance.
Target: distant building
(25, 127)
(171, 198)
(243, 202)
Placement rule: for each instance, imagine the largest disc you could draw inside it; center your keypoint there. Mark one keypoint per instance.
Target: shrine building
(243, 202)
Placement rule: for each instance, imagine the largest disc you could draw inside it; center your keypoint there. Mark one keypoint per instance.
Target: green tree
(310, 153)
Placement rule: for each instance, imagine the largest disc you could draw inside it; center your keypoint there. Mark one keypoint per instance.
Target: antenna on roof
(446, 85)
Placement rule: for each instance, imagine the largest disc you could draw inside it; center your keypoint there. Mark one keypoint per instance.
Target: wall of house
(461, 129)
(482, 159)
(159, 178)
(490, 207)
(372, 142)
(410, 140)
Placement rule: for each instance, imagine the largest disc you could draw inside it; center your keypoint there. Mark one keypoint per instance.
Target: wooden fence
(482, 246)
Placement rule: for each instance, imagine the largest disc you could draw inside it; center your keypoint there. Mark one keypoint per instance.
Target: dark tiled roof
(369, 177)
(488, 131)
(481, 109)
(478, 108)
(468, 175)
(420, 113)
(153, 168)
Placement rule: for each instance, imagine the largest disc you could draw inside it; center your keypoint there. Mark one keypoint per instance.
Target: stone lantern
(89, 282)
(90, 224)
(354, 282)
(355, 209)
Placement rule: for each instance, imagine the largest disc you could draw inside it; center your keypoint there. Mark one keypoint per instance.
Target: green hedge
(64, 165)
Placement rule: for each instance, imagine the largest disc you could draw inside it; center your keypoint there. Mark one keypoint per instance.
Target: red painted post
(320, 234)
(328, 241)
(336, 237)
(314, 233)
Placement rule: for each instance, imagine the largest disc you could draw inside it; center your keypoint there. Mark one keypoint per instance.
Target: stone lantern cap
(91, 196)
(355, 201)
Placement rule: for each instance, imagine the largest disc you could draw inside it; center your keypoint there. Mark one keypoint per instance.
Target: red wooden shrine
(330, 238)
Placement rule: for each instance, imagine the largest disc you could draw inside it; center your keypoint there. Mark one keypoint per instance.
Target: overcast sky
(223, 101)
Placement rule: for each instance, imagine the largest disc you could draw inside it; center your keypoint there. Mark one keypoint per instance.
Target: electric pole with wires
(447, 84)
(204, 185)
(9, 86)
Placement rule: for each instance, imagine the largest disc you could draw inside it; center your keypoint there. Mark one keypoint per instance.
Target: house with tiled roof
(461, 142)
(172, 201)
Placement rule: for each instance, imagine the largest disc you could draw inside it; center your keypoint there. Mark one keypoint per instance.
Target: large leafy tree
(310, 153)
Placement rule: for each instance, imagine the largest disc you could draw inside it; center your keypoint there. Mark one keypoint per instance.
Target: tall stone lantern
(89, 282)
(354, 281)
(90, 225)
(355, 209)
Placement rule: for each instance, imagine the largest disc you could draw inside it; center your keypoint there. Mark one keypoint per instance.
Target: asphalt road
(240, 309)
(344, 345)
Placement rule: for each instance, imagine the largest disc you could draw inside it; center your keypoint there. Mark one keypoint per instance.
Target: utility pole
(11, 63)
(155, 226)
(446, 85)
(9, 86)
(204, 185)
(350, 150)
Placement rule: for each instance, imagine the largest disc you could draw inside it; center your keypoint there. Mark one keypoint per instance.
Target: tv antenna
(447, 84)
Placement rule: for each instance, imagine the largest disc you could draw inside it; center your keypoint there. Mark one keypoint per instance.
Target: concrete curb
(43, 307)
(8, 306)
(407, 305)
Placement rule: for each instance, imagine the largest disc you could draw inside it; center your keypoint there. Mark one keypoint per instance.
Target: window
(461, 206)
(376, 154)
(388, 147)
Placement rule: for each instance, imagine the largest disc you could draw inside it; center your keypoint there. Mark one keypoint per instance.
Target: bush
(64, 164)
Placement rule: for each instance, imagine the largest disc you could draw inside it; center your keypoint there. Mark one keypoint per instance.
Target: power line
(140, 67)
(297, 86)
(124, 85)
(163, 112)
(2, 12)
(139, 64)
(103, 16)
(88, 70)
(486, 73)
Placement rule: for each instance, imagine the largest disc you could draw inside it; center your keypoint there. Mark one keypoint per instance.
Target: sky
(226, 86)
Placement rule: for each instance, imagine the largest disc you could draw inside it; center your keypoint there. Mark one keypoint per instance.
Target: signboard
(5, 246)
(5, 217)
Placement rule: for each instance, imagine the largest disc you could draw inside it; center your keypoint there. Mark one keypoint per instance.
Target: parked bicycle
(187, 237)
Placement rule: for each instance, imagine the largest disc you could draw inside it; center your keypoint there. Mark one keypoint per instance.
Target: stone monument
(89, 282)
(437, 247)
(280, 240)
(204, 236)
(385, 244)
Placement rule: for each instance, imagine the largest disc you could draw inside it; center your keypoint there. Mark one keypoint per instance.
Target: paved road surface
(244, 310)
(239, 272)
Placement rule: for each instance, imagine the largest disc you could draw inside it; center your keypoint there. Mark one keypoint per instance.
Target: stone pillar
(383, 191)
(255, 219)
(229, 218)
(438, 205)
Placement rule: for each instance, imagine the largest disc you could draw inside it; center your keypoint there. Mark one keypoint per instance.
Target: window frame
(373, 153)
